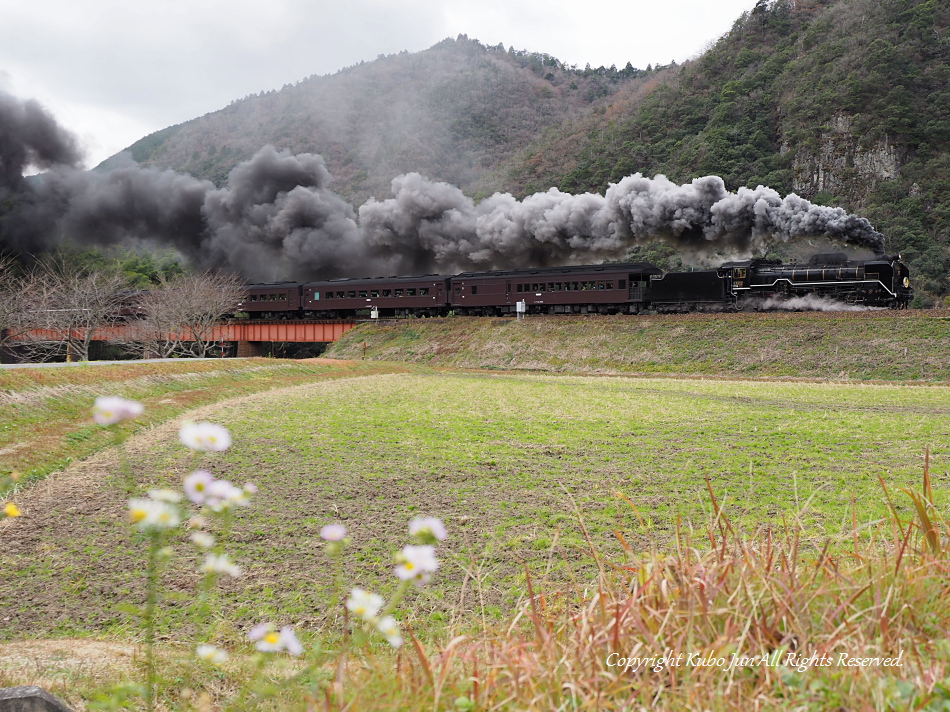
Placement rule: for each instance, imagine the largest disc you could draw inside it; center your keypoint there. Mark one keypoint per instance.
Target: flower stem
(151, 598)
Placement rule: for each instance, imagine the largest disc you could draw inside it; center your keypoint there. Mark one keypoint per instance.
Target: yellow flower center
(409, 566)
(11, 510)
(136, 515)
(271, 638)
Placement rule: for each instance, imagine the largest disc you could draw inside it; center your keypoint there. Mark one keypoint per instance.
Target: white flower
(333, 532)
(388, 627)
(150, 514)
(211, 654)
(364, 604)
(269, 640)
(202, 540)
(220, 564)
(204, 436)
(196, 485)
(165, 495)
(427, 529)
(109, 410)
(222, 495)
(416, 563)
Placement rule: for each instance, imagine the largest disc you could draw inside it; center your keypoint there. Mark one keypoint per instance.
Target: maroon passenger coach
(422, 295)
(588, 289)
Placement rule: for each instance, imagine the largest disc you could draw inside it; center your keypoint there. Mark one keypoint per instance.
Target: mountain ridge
(845, 102)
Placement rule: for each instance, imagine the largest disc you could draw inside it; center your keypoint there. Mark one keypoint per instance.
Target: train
(621, 288)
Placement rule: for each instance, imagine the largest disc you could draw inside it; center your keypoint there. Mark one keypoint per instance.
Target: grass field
(522, 468)
(45, 412)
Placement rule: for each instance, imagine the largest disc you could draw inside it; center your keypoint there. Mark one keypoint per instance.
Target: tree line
(57, 307)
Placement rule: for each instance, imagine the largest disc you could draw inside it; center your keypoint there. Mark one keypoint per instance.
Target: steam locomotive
(625, 288)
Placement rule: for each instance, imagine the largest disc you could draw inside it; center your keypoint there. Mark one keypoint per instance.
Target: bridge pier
(249, 349)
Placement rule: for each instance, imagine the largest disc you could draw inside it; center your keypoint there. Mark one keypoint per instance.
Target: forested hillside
(845, 102)
(451, 112)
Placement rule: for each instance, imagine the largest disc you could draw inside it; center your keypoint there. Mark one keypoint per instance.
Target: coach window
(423, 291)
(458, 290)
(600, 285)
(550, 286)
(622, 284)
(374, 292)
(610, 285)
(283, 297)
(351, 294)
(397, 292)
(387, 292)
(410, 292)
(474, 289)
(362, 292)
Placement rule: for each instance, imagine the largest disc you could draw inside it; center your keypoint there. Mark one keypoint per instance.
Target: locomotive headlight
(906, 283)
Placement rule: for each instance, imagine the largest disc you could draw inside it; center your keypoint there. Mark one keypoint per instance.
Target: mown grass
(44, 412)
(888, 346)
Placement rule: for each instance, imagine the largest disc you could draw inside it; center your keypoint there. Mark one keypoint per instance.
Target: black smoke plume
(277, 218)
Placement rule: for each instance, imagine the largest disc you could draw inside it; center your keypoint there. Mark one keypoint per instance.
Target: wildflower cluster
(157, 512)
(161, 511)
(201, 487)
(416, 564)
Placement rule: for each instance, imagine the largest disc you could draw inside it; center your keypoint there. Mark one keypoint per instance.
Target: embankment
(887, 346)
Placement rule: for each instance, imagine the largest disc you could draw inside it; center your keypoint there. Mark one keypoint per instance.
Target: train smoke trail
(427, 221)
(277, 218)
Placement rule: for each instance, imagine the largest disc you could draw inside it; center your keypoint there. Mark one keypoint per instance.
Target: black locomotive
(624, 288)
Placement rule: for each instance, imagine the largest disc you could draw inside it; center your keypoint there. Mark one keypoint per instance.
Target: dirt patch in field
(62, 666)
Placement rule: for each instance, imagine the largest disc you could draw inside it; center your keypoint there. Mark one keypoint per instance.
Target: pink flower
(427, 529)
(333, 532)
(109, 410)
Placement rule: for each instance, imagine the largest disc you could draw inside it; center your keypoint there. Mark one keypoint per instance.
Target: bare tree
(179, 315)
(71, 304)
(207, 297)
(16, 303)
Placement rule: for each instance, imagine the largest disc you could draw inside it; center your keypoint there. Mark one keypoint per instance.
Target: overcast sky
(113, 71)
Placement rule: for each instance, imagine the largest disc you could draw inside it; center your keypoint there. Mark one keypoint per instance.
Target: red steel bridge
(249, 336)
